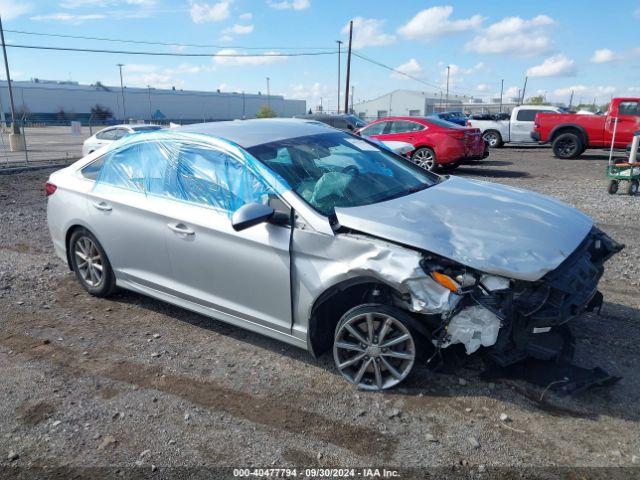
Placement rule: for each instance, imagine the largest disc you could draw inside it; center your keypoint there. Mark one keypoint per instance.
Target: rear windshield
(442, 123)
(146, 128)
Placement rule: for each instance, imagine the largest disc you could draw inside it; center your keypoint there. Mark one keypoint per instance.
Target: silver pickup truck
(516, 129)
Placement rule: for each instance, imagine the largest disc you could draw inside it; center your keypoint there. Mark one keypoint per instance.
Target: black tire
(567, 146)
(425, 158)
(450, 166)
(632, 189)
(493, 138)
(613, 187)
(87, 275)
(363, 359)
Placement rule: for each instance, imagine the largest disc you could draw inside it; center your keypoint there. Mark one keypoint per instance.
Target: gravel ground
(132, 382)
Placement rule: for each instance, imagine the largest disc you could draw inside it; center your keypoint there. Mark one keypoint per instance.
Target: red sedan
(437, 143)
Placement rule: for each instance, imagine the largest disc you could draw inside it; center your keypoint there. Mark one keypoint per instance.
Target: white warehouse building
(41, 101)
(411, 103)
(415, 103)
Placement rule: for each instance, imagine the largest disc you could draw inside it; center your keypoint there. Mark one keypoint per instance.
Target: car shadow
(480, 171)
(427, 385)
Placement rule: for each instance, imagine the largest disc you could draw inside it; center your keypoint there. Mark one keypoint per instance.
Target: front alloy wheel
(425, 158)
(373, 348)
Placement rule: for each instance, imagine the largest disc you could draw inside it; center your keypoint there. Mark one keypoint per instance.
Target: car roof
(249, 133)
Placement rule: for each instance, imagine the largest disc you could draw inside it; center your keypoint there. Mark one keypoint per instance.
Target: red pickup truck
(571, 134)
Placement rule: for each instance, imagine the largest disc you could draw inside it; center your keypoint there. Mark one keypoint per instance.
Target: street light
(124, 109)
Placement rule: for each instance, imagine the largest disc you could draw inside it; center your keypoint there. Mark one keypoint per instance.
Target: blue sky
(560, 45)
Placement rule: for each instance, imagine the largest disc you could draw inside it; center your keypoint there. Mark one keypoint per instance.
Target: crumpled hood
(486, 226)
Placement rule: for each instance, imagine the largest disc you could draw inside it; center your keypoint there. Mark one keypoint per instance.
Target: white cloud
(587, 92)
(238, 29)
(367, 32)
(512, 92)
(225, 38)
(412, 67)
(636, 13)
(603, 55)
(434, 22)
(287, 5)
(143, 74)
(206, 12)
(555, 66)
(225, 58)
(514, 36)
(313, 94)
(10, 9)
(70, 18)
(483, 87)
(246, 16)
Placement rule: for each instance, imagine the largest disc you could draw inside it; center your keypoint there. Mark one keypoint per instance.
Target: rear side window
(92, 170)
(405, 127)
(140, 167)
(628, 108)
(527, 115)
(106, 134)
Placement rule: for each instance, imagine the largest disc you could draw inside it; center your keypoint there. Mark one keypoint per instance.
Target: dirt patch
(33, 414)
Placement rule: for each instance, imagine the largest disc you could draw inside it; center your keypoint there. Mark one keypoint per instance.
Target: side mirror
(249, 215)
(350, 127)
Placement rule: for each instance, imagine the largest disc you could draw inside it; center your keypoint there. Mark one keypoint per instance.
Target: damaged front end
(519, 319)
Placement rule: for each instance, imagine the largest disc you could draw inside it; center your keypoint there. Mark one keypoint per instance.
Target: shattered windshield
(340, 170)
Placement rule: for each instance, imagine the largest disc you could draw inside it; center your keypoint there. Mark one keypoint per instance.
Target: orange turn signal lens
(446, 281)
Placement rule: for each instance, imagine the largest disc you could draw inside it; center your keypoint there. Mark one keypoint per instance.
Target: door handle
(180, 228)
(105, 207)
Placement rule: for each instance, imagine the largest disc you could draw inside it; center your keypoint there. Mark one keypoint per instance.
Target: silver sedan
(329, 242)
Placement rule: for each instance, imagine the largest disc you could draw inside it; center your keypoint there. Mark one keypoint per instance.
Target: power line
(149, 42)
(400, 72)
(174, 54)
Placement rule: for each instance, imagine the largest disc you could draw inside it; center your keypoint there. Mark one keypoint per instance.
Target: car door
(245, 274)
(522, 125)
(126, 216)
(628, 123)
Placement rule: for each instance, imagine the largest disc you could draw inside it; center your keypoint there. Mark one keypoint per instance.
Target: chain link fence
(44, 145)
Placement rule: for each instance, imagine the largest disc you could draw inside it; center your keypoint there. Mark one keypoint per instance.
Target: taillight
(49, 189)
(468, 123)
(458, 134)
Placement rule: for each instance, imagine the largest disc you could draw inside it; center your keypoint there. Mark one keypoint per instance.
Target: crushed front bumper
(534, 313)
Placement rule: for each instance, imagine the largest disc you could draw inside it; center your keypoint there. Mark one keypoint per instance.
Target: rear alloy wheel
(633, 187)
(425, 158)
(567, 145)
(493, 138)
(90, 264)
(373, 347)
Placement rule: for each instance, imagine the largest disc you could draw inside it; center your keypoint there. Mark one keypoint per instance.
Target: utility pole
(353, 87)
(124, 109)
(501, 91)
(446, 105)
(15, 127)
(268, 94)
(346, 92)
(339, 42)
(524, 88)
